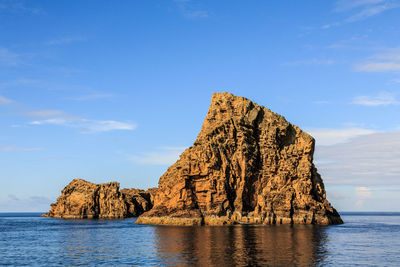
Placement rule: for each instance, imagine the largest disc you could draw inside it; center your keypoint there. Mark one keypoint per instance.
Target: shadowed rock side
(81, 199)
(247, 165)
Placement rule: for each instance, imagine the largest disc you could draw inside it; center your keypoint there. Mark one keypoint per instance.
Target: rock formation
(247, 165)
(81, 199)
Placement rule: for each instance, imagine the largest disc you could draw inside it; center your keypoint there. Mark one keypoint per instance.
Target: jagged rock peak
(247, 165)
(82, 199)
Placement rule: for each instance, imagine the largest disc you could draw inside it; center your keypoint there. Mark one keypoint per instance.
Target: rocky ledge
(81, 199)
(247, 165)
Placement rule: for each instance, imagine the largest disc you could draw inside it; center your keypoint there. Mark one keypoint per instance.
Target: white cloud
(394, 81)
(8, 58)
(387, 61)
(16, 6)
(4, 100)
(64, 41)
(105, 125)
(346, 5)
(366, 161)
(87, 126)
(363, 192)
(378, 66)
(45, 113)
(15, 203)
(92, 97)
(372, 10)
(165, 156)
(383, 99)
(190, 10)
(310, 62)
(361, 10)
(60, 118)
(327, 137)
(15, 149)
(321, 102)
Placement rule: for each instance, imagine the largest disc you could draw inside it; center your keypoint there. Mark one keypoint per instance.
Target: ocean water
(365, 239)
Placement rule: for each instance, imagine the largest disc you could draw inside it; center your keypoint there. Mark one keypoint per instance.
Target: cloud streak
(364, 161)
(16, 149)
(190, 10)
(388, 61)
(383, 99)
(61, 118)
(165, 156)
(4, 100)
(310, 62)
(64, 41)
(92, 97)
(9, 58)
(16, 6)
(361, 10)
(328, 137)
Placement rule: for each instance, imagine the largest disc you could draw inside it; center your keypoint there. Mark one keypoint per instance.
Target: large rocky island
(247, 165)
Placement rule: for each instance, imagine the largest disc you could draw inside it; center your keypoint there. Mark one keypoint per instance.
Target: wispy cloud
(15, 149)
(92, 97)
(386, 61)
(361, 9)
(383, 99)
(9, 58)
(15, 203)
(191, 10)
(345, 5)
(45, 113)
(328, 137)
(367, 161)
(310, 62)
(87, 126)
(19, 82)
(16, 6)
(61, 118)
(321, 102)
(362, 193)
(378, 66)
(64, 41)
(4, 100)
(164, 156)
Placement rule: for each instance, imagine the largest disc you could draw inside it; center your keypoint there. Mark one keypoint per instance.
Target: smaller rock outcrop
(81, 199)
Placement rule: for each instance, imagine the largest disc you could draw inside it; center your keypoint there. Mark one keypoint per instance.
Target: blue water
(365, 239)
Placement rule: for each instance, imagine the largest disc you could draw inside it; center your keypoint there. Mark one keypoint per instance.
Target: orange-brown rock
(81, 199)
(247, 165)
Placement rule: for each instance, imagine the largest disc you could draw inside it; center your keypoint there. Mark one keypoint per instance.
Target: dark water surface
(370, 239)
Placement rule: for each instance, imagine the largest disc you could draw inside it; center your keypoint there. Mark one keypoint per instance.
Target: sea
(365, 239)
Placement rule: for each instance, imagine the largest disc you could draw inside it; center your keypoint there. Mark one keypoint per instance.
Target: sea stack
(247, 165)
(81, 199)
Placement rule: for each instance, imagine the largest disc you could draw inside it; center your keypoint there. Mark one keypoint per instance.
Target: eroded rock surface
(247, 165)
(81, 199)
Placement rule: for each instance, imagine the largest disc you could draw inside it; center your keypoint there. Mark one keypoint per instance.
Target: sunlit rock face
(247, 165)
(81, 199)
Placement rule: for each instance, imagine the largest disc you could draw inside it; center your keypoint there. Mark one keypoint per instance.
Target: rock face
(247, 165)
(81, 199)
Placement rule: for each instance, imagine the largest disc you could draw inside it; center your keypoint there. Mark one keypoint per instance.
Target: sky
(115, 90)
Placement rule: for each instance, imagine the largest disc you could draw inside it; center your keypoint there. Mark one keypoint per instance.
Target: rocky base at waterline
(81, 199)
(247, 165)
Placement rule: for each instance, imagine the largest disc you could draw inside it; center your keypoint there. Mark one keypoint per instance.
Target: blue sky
(106, 90)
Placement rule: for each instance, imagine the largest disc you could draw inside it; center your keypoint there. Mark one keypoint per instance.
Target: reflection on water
(281, 245)
(362, 239)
